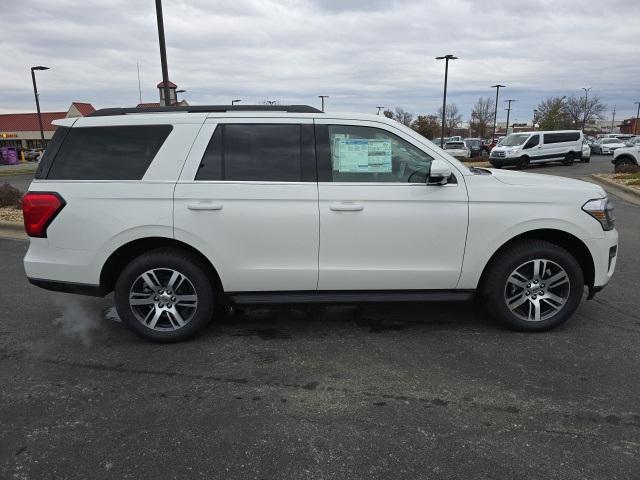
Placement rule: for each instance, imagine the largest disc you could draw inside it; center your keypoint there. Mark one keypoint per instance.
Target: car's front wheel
(165, 295)
(533, 285)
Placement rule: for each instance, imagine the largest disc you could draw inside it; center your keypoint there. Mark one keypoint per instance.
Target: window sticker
(362, 155)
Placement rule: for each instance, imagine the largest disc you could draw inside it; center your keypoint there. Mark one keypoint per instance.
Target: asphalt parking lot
(391, 391)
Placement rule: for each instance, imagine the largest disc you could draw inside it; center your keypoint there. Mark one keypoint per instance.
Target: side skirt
(349, 296)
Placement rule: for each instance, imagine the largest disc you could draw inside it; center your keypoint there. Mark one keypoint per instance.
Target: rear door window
(108, 153)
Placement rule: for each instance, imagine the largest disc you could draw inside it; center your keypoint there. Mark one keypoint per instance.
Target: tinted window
(366, 154)
(108, 153)
(50, 152)
(254, 152)
(533, 141)
(561, 137)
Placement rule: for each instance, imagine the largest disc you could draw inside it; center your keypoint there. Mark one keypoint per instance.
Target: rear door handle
(204, 206)
(346, 207)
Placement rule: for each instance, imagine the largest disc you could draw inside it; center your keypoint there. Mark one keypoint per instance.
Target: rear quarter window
(107, 153)
(561, 137)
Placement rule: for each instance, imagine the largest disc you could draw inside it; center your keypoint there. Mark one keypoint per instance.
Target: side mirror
(439, 173)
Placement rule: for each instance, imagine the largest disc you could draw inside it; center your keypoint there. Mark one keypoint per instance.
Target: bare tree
(400, 115)
(388, 113)
(452, 117)
(426, 125)
(582, 111)
(552, 114)
(482, 115)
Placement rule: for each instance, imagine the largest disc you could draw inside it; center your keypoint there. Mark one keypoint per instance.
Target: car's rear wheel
(165, 295)
(523, 163)
(533, 285)
(569, 158)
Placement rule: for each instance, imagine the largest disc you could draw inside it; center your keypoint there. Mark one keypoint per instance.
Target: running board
(349, 296)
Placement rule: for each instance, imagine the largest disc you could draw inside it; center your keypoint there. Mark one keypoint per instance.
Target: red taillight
(39, 209)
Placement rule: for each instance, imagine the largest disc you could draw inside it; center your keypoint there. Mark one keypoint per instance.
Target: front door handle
(346, 207)
(204, 206)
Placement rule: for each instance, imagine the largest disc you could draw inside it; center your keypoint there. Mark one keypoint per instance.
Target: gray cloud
(362, 53)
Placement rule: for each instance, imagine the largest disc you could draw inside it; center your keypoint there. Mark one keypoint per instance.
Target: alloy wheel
(537, 290)
(163, 299)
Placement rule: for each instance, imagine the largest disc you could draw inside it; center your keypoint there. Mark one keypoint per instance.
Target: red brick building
(630, 126)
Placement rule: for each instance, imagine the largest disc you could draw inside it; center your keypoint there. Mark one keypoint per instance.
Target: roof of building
(84, 108)
(28, 122)
(171, 85)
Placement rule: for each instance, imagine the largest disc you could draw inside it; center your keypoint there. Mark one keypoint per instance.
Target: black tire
(568, 159)
(166, 260)
(523, 163)
(625, 160)
(495, 286)
(497, 165)
(585, 159)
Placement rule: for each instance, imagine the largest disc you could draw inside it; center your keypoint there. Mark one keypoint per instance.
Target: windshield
(514, 139)
(610, 140)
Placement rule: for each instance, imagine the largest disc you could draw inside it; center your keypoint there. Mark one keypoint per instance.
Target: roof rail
(106, 112)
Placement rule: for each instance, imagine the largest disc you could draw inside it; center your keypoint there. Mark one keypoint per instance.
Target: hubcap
(537, 290)
(163, 299)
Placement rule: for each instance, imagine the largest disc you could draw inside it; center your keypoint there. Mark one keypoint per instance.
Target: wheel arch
(624, 158)
(563, 239)
(127, 252)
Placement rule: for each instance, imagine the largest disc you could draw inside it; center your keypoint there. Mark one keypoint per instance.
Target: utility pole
(322, 97)
(379, 108)
(446, 59)
(635, 123)
(495, 113)
(535, 116)
(506, 131)
(586, 96)
(613, 118)
(139, 88)
(35, 92)
(163, 53)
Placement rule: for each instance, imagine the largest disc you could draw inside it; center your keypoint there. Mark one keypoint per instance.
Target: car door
(381, 226)
(533, 148)
(247, 199)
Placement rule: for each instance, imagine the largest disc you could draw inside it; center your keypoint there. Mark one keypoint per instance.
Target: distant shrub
(10, 196)
(626, 168)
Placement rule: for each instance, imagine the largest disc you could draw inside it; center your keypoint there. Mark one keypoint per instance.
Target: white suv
(180, 211)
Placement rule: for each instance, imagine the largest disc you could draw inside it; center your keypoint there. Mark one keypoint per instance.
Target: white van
(521, 149)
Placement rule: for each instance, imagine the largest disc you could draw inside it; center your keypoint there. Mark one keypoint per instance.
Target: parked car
(457, 149)
(521, 149)
(32, 154)
(187, 209)
(606, 146)
(627, 155)
(475, 146)
(437, 141)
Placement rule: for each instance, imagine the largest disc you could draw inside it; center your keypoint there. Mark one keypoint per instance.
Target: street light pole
(506, 131)
(495, 113)
(177, 92)
(535, 115)
(586, 98)
(35, 93)
(379, 108)
(613, 118)
(322, 97)
(446, 59)
(163, 53)
(635, 123)
(233, 102)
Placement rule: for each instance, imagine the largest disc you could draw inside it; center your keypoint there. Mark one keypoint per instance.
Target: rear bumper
(68, 287)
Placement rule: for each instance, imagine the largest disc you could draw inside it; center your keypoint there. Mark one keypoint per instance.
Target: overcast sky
(363, 53)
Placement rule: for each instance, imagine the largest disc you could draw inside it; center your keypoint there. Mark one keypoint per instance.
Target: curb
(12, 230)
(611, 183)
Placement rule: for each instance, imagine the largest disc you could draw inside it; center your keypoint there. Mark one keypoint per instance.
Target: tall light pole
(379, 108)
(163, 53)
(446, 59)
(613, 118)
(586, 99)
(495, 113)
(535, 116)
(322, 97)
(635, 123)
(233, 102)
(177, 92)
(35, 93)
(506, 131)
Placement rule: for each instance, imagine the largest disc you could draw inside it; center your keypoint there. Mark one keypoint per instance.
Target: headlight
(602, 210)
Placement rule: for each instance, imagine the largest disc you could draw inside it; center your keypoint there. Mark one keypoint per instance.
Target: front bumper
(604, 252)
